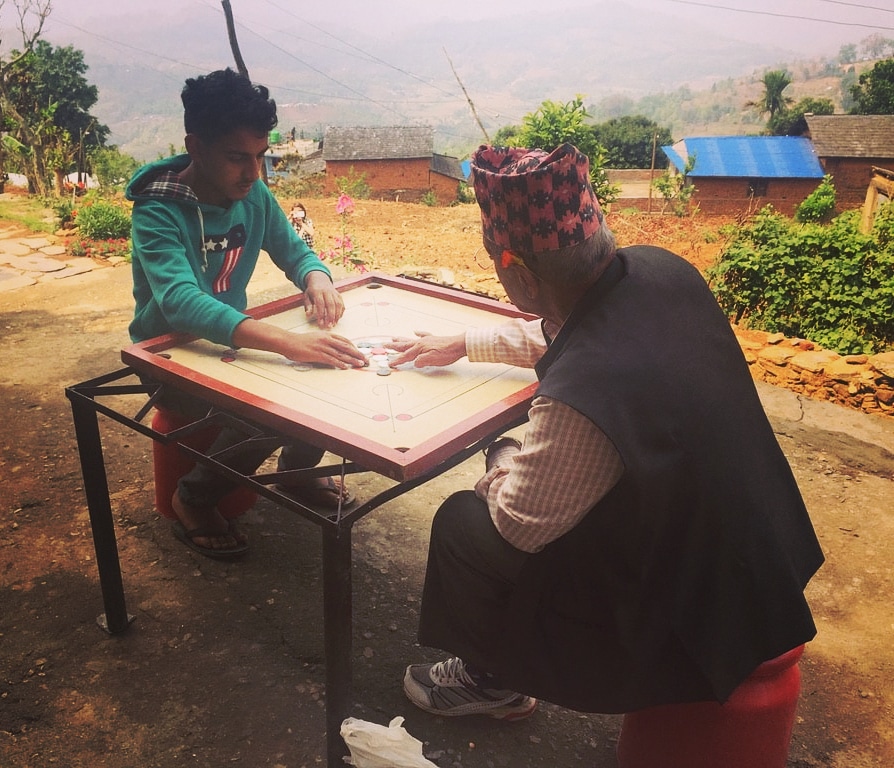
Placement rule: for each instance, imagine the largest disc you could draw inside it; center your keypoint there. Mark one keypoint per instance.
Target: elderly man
(647, 544)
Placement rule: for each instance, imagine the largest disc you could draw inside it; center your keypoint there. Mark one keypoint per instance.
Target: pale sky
(780, 20)
(307, 34)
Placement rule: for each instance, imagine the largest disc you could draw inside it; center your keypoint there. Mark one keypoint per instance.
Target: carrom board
(399, 422)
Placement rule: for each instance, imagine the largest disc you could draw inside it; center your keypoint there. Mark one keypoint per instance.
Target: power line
(363, 56)
(357, 97)
(362, 96)
(119, 44)
(858, 5)
(368, 56)
(195, 67)
(310, 41)
(785, 15)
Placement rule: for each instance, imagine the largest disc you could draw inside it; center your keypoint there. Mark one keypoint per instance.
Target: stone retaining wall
(865, 382)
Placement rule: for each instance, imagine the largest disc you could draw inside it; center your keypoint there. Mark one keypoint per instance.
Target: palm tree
(775, 82)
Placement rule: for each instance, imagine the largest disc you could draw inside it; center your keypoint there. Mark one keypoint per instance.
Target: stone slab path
(30, 259)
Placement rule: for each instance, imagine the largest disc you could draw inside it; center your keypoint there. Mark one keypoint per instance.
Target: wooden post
(882, 182)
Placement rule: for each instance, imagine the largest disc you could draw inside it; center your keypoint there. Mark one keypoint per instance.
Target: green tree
(111, 167)
(874, 92)
(553, 124)
(676, 188)
(631, 141)
(848, 81)
(507, 136)
(47, 91)
(791, 122)
(847, 54)
(775, 82)
(30, 18)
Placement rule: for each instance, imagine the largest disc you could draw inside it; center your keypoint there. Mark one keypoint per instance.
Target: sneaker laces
(452, 672)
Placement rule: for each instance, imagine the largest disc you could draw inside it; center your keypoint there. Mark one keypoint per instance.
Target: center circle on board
(378, 357)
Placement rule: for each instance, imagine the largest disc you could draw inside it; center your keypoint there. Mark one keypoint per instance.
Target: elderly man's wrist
(500, 452)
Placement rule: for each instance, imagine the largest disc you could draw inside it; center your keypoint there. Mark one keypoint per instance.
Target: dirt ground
(393, 236)
(223, 665)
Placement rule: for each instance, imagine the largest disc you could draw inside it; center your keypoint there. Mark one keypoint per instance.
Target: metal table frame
(87, 403)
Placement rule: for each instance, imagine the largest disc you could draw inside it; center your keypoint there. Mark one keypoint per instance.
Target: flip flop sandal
(322, 496)
(187, 537)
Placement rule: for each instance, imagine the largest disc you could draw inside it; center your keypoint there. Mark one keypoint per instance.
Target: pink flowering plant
(345, 251)
(100, 249)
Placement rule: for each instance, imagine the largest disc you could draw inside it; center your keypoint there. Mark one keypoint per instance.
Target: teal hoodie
(192, 261)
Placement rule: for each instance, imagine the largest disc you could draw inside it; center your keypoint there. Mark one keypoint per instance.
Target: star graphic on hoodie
(217, 243)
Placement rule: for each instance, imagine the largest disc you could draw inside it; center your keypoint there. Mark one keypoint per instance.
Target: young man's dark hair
(216, 104)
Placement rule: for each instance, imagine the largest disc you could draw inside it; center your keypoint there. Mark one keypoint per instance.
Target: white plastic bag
(377, 746)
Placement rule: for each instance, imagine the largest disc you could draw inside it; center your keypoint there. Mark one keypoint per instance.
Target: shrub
(827, 283)
(466, 193)
(676, 188)
(102, 220)
(296, 187)
(353, 185)
(819, 205)
(65, 212)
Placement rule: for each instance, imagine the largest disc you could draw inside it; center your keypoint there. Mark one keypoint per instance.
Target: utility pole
(240, 63)
(468, 99)
(231, 33)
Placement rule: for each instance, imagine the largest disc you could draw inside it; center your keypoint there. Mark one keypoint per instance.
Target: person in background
(200, 221)
(646, 543)
(302, 224)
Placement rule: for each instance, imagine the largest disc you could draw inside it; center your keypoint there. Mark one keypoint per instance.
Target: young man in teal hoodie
(200, 221)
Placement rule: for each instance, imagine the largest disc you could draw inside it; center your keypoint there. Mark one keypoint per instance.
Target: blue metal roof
(766, 157)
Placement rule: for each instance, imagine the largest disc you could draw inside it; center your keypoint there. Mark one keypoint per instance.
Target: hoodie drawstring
(203, 244)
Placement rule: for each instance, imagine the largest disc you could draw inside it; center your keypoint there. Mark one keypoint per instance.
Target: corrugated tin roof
(447, 166)
(678, 160)
(870, 136)
(764, 157)
(385, 143)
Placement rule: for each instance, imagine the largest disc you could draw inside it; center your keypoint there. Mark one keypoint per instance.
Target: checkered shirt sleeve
(518, 342)
(565, 467)
(566, 459)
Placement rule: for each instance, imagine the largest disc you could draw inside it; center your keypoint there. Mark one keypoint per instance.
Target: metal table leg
(96, 489)
(337, 633)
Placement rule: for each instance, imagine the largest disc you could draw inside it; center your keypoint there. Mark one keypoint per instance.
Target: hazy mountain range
(380, 75)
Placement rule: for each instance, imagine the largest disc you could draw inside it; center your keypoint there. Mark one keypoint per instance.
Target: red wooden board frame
(405, 463)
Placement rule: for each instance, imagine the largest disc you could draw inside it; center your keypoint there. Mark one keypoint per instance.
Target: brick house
(740, 174)
(398, 162)
(848, 146)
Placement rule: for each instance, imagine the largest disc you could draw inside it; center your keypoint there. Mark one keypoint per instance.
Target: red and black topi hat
(533, 201)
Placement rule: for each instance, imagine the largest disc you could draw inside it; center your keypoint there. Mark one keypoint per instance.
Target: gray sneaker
(446, 688)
